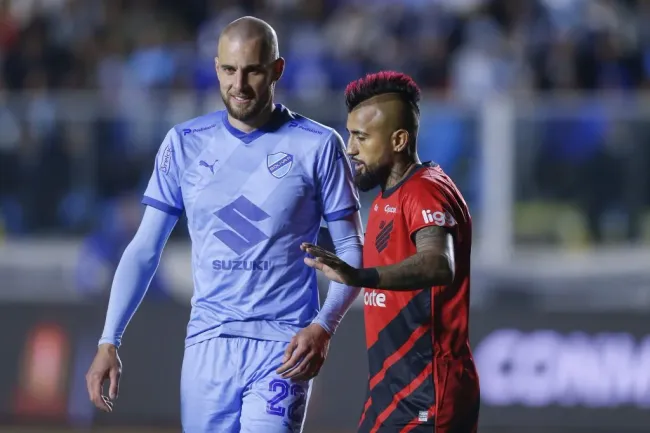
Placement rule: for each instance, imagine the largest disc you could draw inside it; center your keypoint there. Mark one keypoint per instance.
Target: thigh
(210, 387)
(272, 404)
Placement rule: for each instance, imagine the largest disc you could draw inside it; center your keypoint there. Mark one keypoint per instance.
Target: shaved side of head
(395, 112)
(254, 29)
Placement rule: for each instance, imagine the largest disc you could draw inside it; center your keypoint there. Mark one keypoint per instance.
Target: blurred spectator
(126, 63)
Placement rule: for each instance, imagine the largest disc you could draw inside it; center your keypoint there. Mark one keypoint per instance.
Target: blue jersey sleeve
(338, 195)
(135, 272)
(347, 236)
(164, 189)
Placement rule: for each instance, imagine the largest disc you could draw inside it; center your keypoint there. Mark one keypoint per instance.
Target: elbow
(441, 271)
(143, 255)
(446, 277)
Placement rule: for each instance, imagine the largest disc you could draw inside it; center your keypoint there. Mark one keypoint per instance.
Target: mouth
(241, 99)
(358, 165)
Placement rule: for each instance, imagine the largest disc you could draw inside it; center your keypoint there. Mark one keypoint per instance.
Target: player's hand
(106, 365)
(330, 265)
(305, 354)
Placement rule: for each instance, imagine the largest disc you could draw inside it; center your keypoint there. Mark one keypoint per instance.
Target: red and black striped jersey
(409, 332)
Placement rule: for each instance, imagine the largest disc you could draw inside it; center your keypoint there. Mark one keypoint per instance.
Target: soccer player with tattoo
(254, 180)
(416, 269)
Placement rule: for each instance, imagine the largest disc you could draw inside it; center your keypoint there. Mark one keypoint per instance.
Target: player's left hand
(305, 354)
(330, 265)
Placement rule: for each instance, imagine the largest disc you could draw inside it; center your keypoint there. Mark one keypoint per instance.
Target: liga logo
(279, 164)
(438, 218)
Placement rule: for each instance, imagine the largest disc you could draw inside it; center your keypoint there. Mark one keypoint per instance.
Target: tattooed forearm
(432, 265)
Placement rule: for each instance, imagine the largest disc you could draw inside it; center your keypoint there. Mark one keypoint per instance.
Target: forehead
(365, 118)
(238, 51)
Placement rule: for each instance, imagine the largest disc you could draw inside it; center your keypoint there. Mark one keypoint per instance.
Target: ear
(278, 69)
(216, 64)
(400, 140)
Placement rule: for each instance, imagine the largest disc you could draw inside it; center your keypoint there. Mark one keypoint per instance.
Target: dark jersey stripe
(399, 354)
(401, 374)
(408, 409)
(403, 394)
(397, 332)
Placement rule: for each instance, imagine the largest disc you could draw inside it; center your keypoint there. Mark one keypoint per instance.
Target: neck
(400, 170)
(253, 124)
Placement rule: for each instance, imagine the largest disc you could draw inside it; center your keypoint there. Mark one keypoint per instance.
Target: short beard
(246, 114)
(365, 182)
(371, 179)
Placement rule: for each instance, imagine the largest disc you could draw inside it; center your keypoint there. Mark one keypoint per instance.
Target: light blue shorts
(229, 385)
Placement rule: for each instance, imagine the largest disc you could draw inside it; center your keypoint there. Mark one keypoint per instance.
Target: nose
(351, 148)
(240, 81)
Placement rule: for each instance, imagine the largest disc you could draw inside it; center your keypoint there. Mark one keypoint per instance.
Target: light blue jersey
(251, 200)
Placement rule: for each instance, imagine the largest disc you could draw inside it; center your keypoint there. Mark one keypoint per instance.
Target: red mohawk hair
(381, 83)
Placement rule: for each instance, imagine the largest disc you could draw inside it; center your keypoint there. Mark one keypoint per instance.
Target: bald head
(248, 66)
(255, 31)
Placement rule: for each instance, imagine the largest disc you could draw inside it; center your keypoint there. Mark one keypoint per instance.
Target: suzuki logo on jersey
(240, 265)
(279, 164)
(389, 209)
(374, 299)
(244, 235)
(438, 218)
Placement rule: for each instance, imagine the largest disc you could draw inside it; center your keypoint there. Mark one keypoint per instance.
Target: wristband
(369, 278)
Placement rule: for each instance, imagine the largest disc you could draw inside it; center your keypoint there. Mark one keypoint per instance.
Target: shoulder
(431, 190)
(184, 140)
(312, 131)
(299, 124)
(318, 140)
(429, 180)
(428, 185)
(198, 126)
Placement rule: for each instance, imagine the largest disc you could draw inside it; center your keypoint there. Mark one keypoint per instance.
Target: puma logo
(210, 166)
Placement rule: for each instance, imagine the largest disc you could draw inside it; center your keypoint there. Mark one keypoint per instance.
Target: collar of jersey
(278, 118)
(387, 193)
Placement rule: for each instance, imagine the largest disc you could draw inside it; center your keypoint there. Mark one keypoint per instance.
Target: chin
(242, 114)
(365, 182)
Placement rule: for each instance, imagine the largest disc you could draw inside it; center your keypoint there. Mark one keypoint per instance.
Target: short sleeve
(338, 195)
(164, 189)
(426, 206)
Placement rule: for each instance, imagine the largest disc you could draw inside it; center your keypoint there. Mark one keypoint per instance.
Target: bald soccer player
(416, 269)
(255, 181)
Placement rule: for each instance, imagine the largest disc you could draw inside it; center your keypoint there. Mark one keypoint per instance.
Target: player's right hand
(106, 365)
(305, 354)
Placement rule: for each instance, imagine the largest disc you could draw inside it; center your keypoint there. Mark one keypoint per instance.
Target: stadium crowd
(87, 86)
